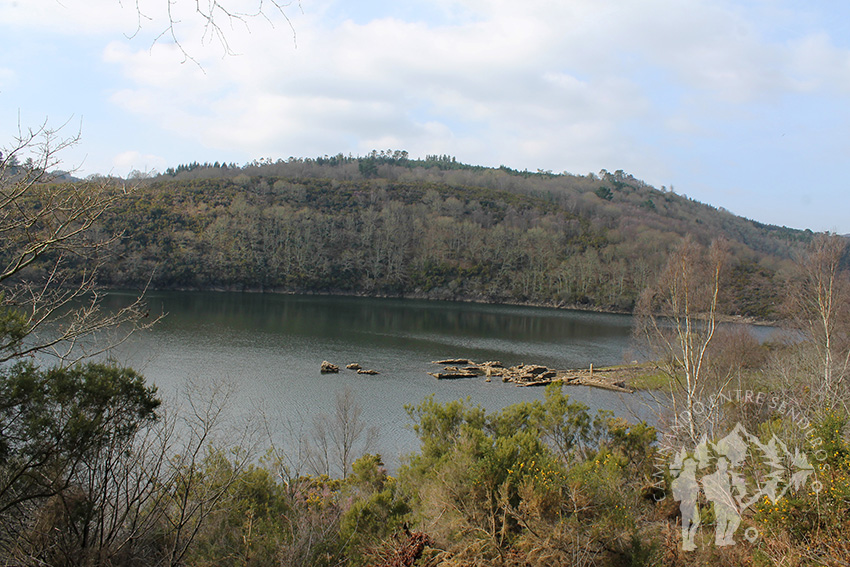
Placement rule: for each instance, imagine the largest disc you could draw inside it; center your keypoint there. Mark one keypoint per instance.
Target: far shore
(721, 318)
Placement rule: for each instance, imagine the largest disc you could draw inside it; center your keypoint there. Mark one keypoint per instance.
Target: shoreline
(741, 319)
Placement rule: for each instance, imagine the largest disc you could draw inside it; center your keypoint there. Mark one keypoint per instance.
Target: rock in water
(453, 374)
(328, 368)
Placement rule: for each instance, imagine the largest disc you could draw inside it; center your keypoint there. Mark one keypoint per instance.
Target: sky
(743, 105)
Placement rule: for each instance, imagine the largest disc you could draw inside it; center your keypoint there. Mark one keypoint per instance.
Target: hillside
(436, 228)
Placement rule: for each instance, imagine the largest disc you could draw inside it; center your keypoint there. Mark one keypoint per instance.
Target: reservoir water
(270, 347)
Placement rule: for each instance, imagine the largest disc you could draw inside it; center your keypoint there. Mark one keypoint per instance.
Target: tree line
(425, 239)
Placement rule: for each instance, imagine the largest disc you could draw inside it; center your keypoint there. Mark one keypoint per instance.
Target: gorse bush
(520, 484)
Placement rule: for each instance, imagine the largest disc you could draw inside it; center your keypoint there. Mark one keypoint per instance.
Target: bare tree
(677, 320)
(112, 509)
(206, 465)
(337, 440)
(820, 309)
(50, 251)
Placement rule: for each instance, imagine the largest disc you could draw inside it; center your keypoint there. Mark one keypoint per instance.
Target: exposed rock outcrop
(453, 374)
(526, 375)
(328, 368)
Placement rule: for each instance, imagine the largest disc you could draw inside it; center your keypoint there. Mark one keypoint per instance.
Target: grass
(650, 377)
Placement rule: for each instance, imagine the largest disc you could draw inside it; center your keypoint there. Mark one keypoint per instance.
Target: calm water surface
(271, 347)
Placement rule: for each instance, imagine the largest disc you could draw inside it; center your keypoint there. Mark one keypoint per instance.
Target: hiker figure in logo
(727, 488)
(718, 490)
(686, 490)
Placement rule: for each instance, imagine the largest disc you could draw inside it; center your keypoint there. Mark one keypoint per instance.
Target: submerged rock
(453, 374)
(534, 383)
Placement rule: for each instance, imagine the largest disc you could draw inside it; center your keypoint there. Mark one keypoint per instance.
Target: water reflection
(271, 347)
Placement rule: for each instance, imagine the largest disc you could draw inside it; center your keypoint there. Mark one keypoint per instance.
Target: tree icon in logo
(771, 471)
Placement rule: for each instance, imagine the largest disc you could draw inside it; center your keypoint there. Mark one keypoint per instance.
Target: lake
(271, 347)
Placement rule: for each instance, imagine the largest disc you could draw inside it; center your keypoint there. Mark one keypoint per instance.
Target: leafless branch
(216, 17)
(50, 250)
(677, 320)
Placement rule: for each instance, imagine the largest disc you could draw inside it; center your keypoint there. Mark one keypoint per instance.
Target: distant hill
(384, 224)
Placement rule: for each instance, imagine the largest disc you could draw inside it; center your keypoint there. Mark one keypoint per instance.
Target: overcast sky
(740, 104)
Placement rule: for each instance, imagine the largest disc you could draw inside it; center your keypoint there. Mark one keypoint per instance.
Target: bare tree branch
(819, 298)
(50, 252)
(217, 18)
(677, 320)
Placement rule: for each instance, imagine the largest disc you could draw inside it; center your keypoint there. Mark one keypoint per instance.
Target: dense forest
(435, 228)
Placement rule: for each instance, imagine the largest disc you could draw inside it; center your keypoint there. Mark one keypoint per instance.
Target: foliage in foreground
(94, 472)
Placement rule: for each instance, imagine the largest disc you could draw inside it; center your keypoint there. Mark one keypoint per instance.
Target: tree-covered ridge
(388, 225)
(630, 197)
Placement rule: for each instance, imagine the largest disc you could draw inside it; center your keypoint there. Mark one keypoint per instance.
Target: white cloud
(508, 71)
(69, 17)
(145, 21)
(501, 78)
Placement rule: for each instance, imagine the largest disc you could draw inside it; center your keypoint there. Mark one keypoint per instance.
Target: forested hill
(387, 225)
